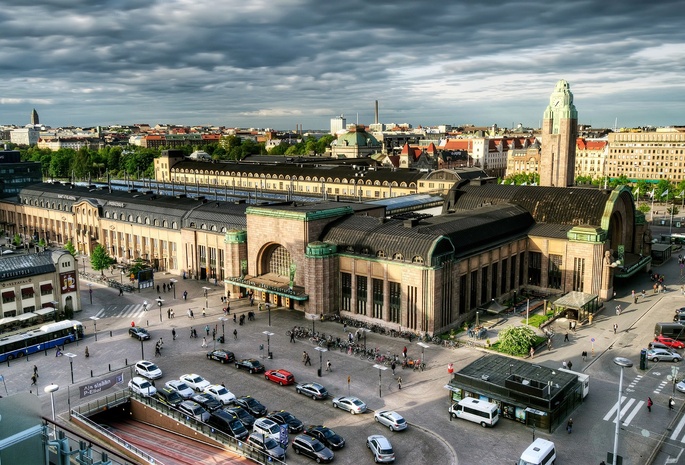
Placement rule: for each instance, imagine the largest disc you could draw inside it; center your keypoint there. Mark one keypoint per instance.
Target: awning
(28, 292)
(8, 320)
(46, 287)
(494, 307)
(26, 316)
(449, 387)
(8, 294)
(44, 311)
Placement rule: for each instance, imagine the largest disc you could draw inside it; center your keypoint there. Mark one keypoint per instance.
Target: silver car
(351, 404)
(655, 355)
(392, 420)
(194, 410)
(381, 448)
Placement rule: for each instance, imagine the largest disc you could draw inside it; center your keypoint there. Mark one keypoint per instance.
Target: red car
(667, 341)
(282, 377)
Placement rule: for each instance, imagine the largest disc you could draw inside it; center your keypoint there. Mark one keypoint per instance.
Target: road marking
(676, 431)
(613, 409)
(633, 413)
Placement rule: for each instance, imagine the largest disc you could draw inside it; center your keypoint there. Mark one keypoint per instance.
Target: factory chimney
(376, 114)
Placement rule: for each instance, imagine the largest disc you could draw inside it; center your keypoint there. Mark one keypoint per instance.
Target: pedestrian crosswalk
(122, 311)
(626, 406)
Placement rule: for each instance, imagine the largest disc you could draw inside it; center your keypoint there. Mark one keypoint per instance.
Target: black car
(312, 448)
(140, 333)
(223, 356)
(287, 418)
(326, 435)
(229, 424)
(252, 405)
(168, 396)
(242, 415)
(250, 364)
(208, 402)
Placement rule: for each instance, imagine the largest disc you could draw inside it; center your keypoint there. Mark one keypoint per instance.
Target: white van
(540, 452)
(475, 410)
(268, 428)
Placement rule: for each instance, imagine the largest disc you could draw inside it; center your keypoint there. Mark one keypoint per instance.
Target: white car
(142, 386)
(195, 381)
(392, 420)
(148, 370)
(681, 386)
(351, 404)
(381, 448)
(180, 387)
(220, 393)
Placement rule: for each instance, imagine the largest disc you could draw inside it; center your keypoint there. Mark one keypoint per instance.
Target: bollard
(147, 322)
(110, 333)
(109, 366)
(91, 373)
(126, 362)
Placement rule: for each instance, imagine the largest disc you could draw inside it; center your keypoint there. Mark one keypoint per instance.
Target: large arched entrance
(275, 259)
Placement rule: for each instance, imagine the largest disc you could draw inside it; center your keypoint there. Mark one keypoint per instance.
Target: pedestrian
(615, 327)
(566, 337)
(569, 425)
(404, 352)
(309, 361)
(304, 356)
(173, 334)
(532, 352)
(671, 403)
(292, 336)
(584, 354)
(192, 315)
(235, 334)
(203, 312)
(392, 367)
(399, 383)
(145, 305)
(172, 313)
(207, 329)
(168, 313)
(618, 310)
(549, 343)
(234, 320)
(164, 287)
(328, 365)
(185, 295)
(204, 341)
(564, 364)
(633, 294)
(213, 334)
(643, 294)
(35, 370)
(570, 364)
(34, 379)
(344, 327)
(158, 351)
(649, 404)
(573, 326)
(121, 291)
(157, 288)
(228, 308)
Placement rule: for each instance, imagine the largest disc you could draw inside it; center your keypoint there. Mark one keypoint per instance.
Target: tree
(644, 208)
(100, 259)
(17, 240)
(516, 340)
(69, 247)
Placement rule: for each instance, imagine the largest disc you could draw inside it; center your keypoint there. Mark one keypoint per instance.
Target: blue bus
(46, 337)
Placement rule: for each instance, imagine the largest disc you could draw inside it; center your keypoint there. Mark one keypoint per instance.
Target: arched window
(147, 220)
(174, 225)
(155, 222)
(122, 217)
(279, 261)
(130, 218)
(139, 220)
(106, 214)
(212, 228)
(165, 224)
(398, 256)
(380, 254)
(203, 226)
(417, 259)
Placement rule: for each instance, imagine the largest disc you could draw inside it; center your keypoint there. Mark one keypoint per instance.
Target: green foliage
(137, 266)
(519, 179)
(100, 259)
(644, 208)
(17, 240)
(69, 247)
(516, 340)
(41, 242)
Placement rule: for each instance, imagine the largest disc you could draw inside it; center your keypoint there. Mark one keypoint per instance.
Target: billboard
(67, 282)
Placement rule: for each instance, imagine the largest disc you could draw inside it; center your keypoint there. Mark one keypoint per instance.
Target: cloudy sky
(279, 63)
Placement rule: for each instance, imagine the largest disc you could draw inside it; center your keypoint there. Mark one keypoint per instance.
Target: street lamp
(207, 289)
(424, 346)
(268, 346)
(381, 369)
(51, 388)
(364, 330)
(223, 330)
(90, 292)
(173, 285)
(95, 325)
(71, 364)
(83, 259)
(321, 351)
(122, 276)
(142, 349)
(623, 363)
(159, 304)
(477, 323)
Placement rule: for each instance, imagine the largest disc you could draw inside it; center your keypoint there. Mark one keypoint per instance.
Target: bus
(46, 337)
(674, 238)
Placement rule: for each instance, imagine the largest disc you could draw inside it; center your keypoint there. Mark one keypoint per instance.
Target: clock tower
(559, 133)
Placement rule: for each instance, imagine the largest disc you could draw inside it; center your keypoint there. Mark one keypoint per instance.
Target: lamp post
(51, 388)
(159, 304)
(268, 346)
(142, 349)
(623, 363)
(477, 322)
(83, 259)
(71, 364)
(95, 325)
(223, 331)
(381, 369)
(122, 276)
(173, 286)
(321, 351)
(364, 330)
(90, 292)
(424, 346)
(207, 289)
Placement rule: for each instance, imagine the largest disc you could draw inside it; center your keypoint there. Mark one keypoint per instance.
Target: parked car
(681, 386)
(655, 355)
(229, 424)
(195, 381)
(250, 364)
(140, 333)
(680, 310)
(207, 402)
(326, 435)
(679, 318)
(266, 444)
(670, 342)
(223, 356)
(351, 404)
(220, 393)
(381, 448)
(312, 448)
(148, 370)
(194, 410)
(287, 418)
(180, 387)
(142, 386)
(281, 377)
(243, 415)
(392, 420)
(659, 345)
(168, 396)
(313, 390)
(252, 405)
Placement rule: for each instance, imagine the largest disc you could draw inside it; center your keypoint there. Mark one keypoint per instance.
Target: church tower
(34, 117)
(559, 133)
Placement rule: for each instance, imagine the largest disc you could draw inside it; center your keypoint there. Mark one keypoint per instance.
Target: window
(280, 261)
(534, 268)
(346, 291)
(362, 287)
(377, 292)
(555, 262)
(395, 301)
(578, 274)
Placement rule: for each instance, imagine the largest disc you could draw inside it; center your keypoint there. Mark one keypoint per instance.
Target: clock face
(557, 102)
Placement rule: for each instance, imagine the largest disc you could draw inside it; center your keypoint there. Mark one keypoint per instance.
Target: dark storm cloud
(265, 63)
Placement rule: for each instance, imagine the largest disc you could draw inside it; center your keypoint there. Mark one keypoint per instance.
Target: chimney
(375, 120)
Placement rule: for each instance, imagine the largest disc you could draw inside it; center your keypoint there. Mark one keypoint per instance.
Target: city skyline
(304, 62)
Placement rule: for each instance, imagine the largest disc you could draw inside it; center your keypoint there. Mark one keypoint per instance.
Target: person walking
(304, 356)
(615, 327)
(34, 379)
(649, 404)
(308, 361)
(207, 329)
(399, 383)
(532, 352)
(121, 291)
(566, 337)
(204, 314)
(404, 352)
(584, 354)
(204, 341)
(570, 364)
(292, 336)
(35, 371)
(172, 313)
(158, 350)
(569, 425)
(173, 334)
(328, 365)
(185, 295)
(671, 403)
(235, 334)
(392, 367)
